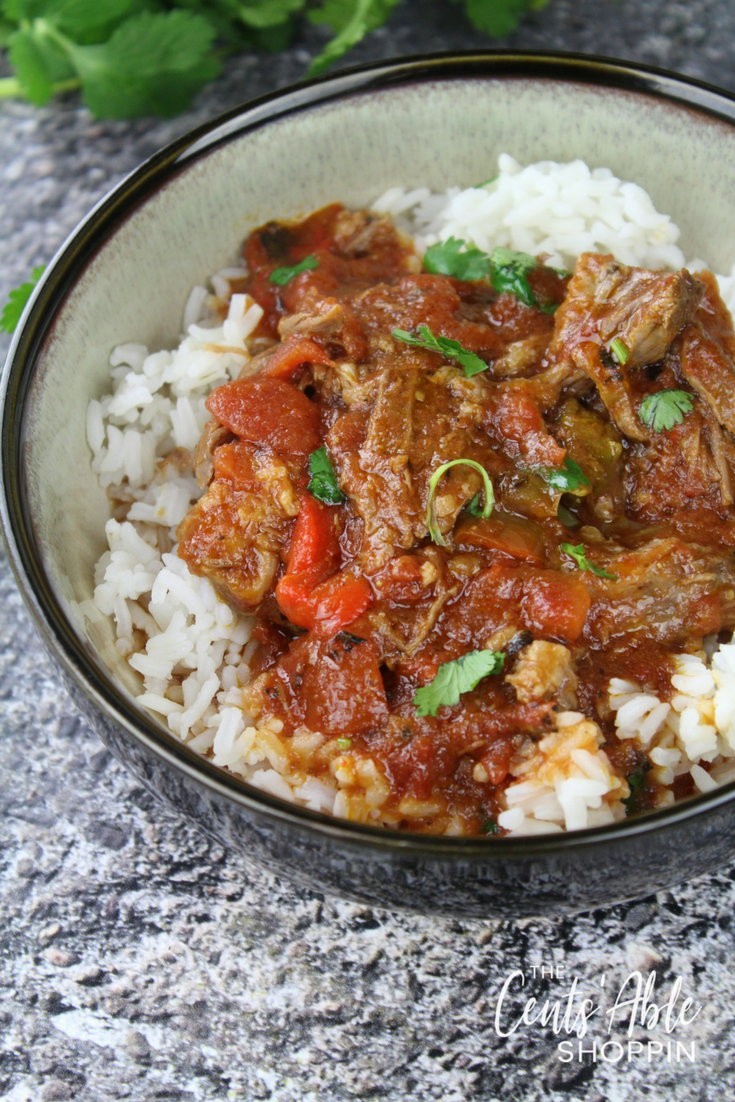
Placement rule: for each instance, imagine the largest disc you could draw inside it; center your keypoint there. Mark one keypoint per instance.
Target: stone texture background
(139, 961)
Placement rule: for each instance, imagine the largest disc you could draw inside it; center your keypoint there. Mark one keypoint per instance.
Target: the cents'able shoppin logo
(652, 1030)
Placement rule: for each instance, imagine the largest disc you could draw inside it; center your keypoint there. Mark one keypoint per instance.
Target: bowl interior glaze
(125, 275)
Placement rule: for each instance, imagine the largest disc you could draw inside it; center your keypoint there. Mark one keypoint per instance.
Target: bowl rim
(60, 638)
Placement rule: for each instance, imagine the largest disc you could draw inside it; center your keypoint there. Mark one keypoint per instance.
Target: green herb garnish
(455, 678)
(431, 521)
(665, 409)
(344, 743)
(455, 257)
(282, 276)
(489, 827)
(323, 483)
(510, 273)
(451, 350)
(473, 507)
(620, 351)
(636, 783)
(143, 57)
(569, 479)
(577, 552)
(17, 300)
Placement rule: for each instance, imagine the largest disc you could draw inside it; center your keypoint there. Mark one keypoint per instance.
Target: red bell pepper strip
(310, 594)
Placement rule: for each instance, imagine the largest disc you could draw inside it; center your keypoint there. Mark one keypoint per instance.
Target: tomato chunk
(267, 411)
(292, 354)
(555, 605)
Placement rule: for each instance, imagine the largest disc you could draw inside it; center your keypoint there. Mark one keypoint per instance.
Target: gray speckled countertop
(138, 960)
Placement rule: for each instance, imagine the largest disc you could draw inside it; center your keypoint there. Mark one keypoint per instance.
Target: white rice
(192, 651)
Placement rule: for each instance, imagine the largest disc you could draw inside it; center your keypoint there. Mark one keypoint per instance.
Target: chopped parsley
(620, 351)
(489, 827)
(282, 276)
(665, 409)
(569, 479)
(451, 350)
(455, 678)
(431, 521)
(323, 483)
(577, 552)
(455, 257)
(17, 300)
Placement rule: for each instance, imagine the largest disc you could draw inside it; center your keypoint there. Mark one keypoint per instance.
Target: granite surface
(140, 961)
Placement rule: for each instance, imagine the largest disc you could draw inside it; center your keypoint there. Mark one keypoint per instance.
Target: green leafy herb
(17, 300)
(351, 20)
(431, 521)
(451, 350)
(323, 483)
(489, 827)
(620, 351)
(577, 552)
(498, 17)
(510, 273)
(636, 783)
(282, 276)
(569, 479)
(665, 409)
(344, 743)
(473, 507)
(455, 678)
(149, 57)
(454, 257)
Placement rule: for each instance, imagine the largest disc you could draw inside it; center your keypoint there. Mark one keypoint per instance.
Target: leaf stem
(10, 87)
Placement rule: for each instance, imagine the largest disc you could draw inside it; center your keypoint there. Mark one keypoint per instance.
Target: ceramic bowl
(125, 274)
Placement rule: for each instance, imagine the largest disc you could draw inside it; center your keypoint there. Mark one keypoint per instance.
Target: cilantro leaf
(451, 350)
(498, 17)
(151, 65)
(454, 257)
(577, 552)
(352, 19)
(269, 13)
(323, 483)
(17, 300)
(489, 827)
(82, 18)
(30, 68)
(665, 409)
(473, 507)
(455, 678)
(282, 276)
(431, 521)
(510, 273)
(569, 479)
